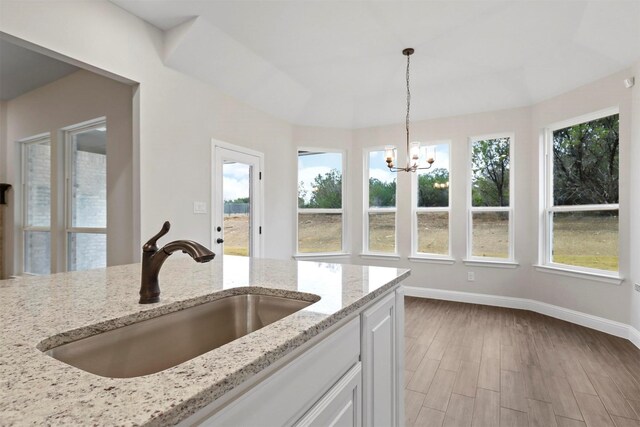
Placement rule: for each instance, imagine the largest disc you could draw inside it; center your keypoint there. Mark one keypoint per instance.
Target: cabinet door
(379, 362)
(340, 407)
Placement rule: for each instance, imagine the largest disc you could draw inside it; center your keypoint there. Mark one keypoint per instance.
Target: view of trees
(490, 166)
(585, 160)
(585, 163)
(382, 194)
(429, 194)
(326, 193)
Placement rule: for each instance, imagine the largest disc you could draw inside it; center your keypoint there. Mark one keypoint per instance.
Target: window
(380, 205)
(491, 199)
(431, 203)
(75, 237)
(87, 197)
(581, 212)
(320, 202)
(36, 222)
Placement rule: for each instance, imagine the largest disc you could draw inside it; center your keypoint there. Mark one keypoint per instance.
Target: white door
(237, 201)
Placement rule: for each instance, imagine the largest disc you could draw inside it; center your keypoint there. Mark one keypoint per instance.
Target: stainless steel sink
(159, 343)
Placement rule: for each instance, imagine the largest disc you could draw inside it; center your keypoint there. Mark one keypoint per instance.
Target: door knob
(219, 240)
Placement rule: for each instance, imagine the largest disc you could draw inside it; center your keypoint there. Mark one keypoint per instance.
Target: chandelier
(413, 148)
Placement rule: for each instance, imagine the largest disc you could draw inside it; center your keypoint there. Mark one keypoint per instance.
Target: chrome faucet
(153, 258)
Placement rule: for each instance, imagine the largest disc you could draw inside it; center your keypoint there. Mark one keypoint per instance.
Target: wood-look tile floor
(480, 366)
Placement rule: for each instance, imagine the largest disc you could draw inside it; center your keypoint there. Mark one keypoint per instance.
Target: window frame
(67, 137)
(366, 251)
(24, 226)
(342, 210)
(415, 209)
(548, 207)
(470, 258)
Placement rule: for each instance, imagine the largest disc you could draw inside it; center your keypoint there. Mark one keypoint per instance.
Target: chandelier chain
(408, 102)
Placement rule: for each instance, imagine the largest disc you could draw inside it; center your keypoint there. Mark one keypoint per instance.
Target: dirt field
(583, 242)
(236, 235)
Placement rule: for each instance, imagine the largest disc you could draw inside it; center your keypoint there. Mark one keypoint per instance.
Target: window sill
(321, 255)
(432, 260)
(373, 255)
(612, 279)
(490, 263)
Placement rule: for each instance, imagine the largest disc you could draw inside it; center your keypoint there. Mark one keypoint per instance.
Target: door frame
(257, 191)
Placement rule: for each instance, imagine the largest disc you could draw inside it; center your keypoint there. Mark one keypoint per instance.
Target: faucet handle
(151, 246)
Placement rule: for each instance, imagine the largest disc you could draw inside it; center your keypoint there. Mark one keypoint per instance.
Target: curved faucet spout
(198, 252)
(153, 258)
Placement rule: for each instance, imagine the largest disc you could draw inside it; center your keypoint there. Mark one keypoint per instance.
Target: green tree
(327, 191)
(430, 194)
(585, 162)
(302, 195)
(490, 166)
(382, 194)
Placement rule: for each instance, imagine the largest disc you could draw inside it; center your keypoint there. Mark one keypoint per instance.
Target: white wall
(178, 115)
(76, 98)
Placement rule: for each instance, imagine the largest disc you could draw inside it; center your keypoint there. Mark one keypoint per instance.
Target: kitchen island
(39, 313)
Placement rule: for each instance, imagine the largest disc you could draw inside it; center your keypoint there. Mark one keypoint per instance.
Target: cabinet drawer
(341, 405)
(284, 397)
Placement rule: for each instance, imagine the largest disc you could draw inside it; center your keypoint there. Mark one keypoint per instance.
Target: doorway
(237, 200)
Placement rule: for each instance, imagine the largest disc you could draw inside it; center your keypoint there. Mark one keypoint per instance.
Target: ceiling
(23, 70)
(339, 63)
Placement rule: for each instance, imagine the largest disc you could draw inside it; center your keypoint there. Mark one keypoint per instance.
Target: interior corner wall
(178, 117)
(74, 99)
(634, 261)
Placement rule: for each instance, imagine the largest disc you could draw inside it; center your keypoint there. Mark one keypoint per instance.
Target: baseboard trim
(601, 324)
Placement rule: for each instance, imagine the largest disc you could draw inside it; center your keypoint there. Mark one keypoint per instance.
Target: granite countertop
(41, 312)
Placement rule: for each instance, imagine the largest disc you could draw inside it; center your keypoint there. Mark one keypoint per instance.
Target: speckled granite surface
(42, 312)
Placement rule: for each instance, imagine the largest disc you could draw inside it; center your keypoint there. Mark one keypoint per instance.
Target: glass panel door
(237, 227)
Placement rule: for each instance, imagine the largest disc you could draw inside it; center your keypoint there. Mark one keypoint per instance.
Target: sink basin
(153, 345)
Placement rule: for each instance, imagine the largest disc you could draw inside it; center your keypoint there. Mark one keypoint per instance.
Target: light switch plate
(199, 207)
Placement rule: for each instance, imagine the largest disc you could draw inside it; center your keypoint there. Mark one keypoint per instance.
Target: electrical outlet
(199, 207)
(637, 286)
(471, 276)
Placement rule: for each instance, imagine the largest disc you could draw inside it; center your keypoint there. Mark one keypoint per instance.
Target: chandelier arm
(425, 167)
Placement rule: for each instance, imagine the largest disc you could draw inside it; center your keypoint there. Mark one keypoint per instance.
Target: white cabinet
(382, 358)
(341, 406)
